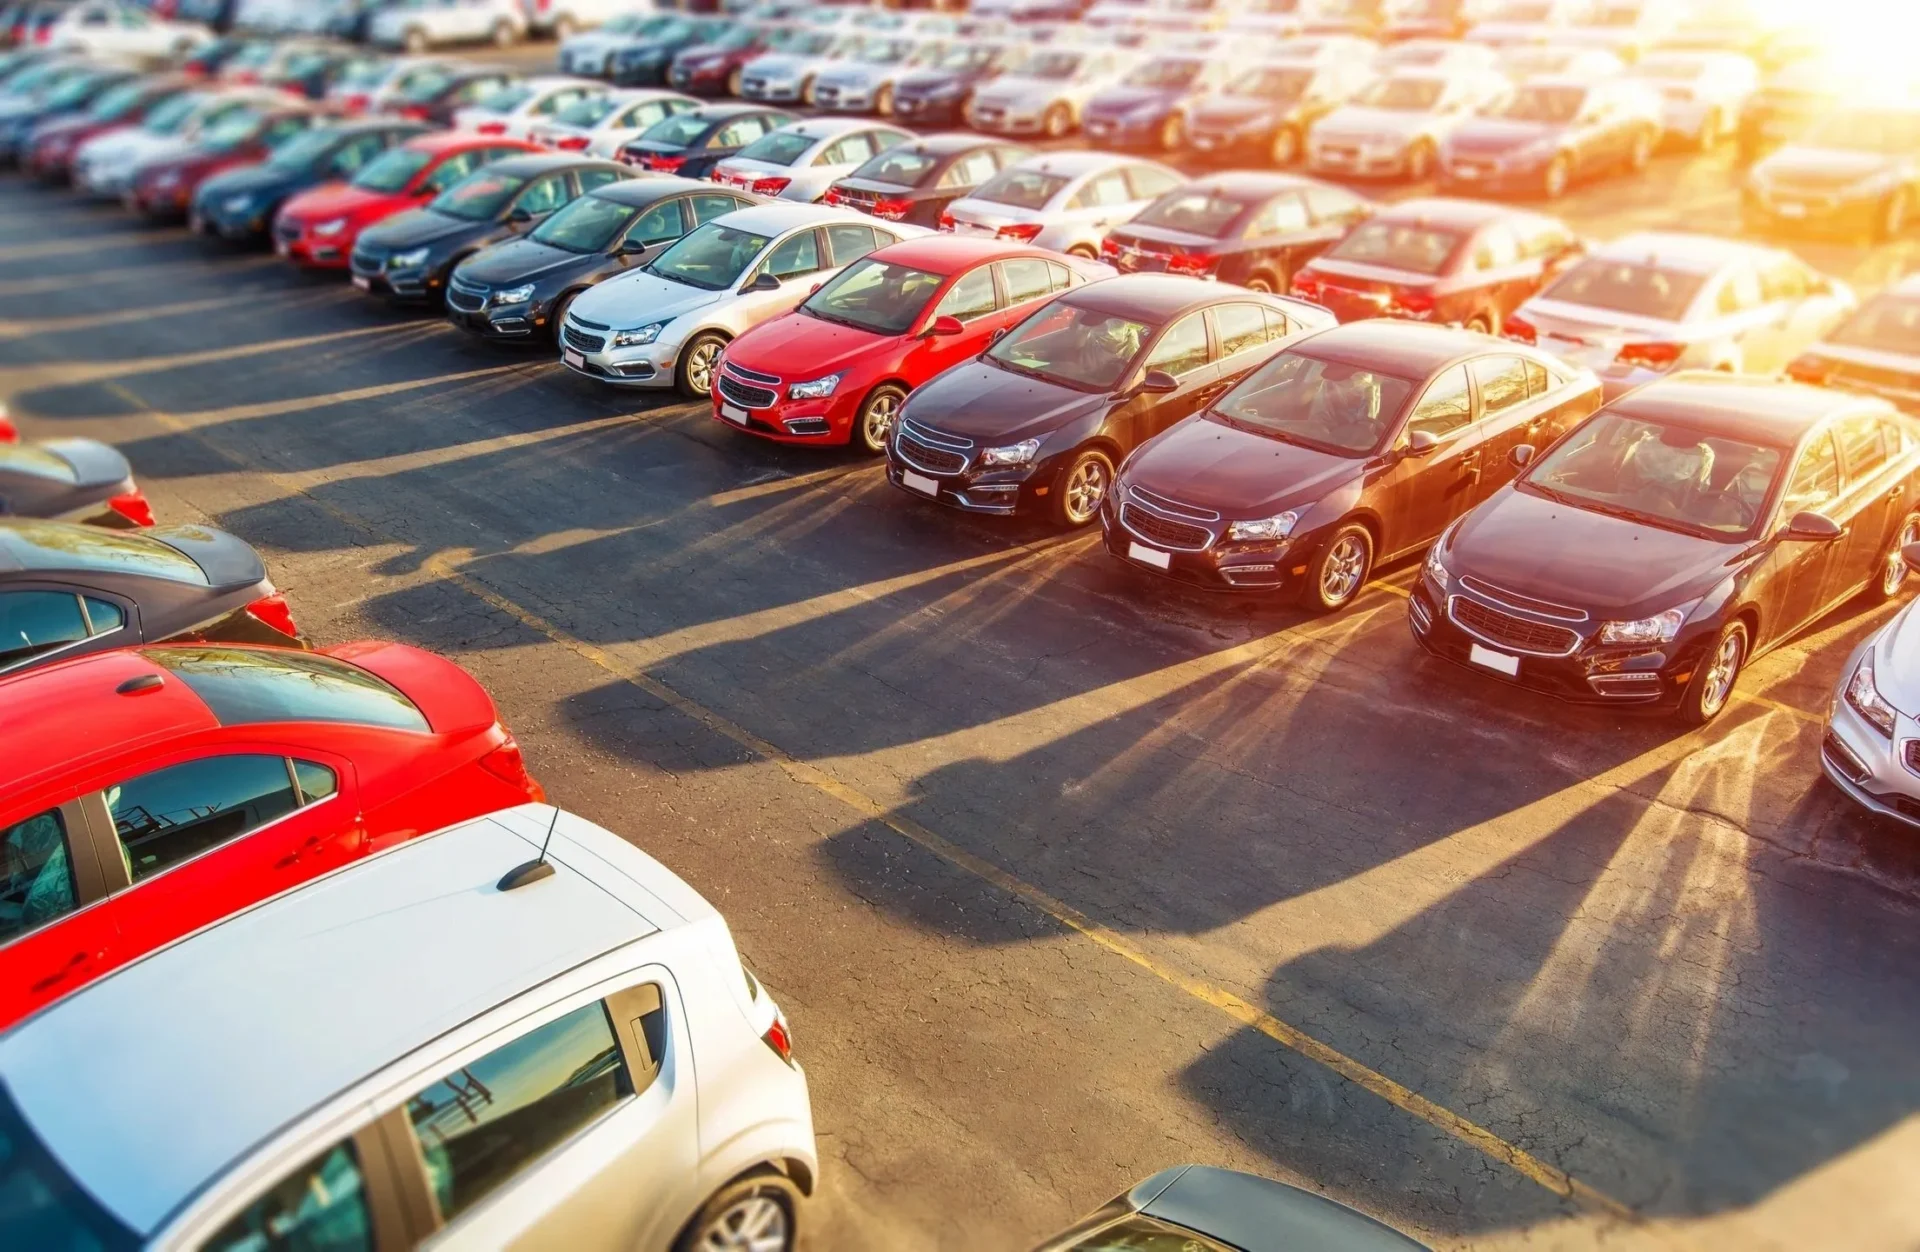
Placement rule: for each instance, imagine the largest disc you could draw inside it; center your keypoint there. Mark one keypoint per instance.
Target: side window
(850, 242)
(1029, 278)
(853, 150)
(659, 223)
(321, 1205)
(1278, 327)
(740, 133)
(709, 206)
(798, 255)
(1895, 437)
(174, 814)
(1495, 249)
(1740, 291)
(1240, 327)
(1446, 406)
(281, 131)
(1862, 448)
(969, 171)
(1502, 381)
(1539, 382)
(355, 153)
(36, 878)
(36, 622)
(1109, 188)
(316, 781)
(484, 1122)
(1815, 481)
(1150, 182)
(969, 298)
(1282, 215)
(452, 170)
(555, 102)
(589, 179)
(643, 115)
(1183, 349)
(544, 196)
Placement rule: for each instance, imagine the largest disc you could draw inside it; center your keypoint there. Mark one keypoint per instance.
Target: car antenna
(536, 869)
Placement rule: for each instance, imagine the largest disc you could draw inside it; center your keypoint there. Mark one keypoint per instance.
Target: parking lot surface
(1063, 875)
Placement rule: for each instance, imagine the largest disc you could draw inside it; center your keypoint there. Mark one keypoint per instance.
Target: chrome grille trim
(907, 446)
(579, 339)
(936, 439)
(1507, 645)
(1140, 523)
(751, 376)
(575, 319)
(1171, 507)
(745, 396)
(1523, 604)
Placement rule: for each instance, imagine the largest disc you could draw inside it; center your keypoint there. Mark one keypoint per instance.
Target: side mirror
(1157, 383)
(1521, 456)
(762, 281)
(946, 325)
(1419, 443)
(1911, 555)
(519, 217)
(634, 247)
(1810, 527)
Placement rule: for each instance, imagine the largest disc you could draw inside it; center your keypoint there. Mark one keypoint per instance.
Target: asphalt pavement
(1064, 875)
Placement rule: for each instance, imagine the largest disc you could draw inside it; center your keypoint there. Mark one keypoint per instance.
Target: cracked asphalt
(1045, 861)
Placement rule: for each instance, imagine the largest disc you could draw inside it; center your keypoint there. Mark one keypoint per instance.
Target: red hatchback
(837, 369)
(151, 792)
(317, 228)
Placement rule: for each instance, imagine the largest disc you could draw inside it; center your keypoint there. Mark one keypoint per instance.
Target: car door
(1872, 487)
(707, 205)
(538, 200)
(58, 923)
(798, 260)
(1103, 202)
(1510, 414)
(1795, 572)
(650, 232)
(1505, 277)
(1802, 307)
(975, 298)
(41, 622)
(1184, 350)
(1421, 493)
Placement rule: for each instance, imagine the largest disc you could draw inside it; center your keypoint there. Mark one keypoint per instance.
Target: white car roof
(1675, 250)
(152, 1081)
(784, 215)
(1075, 163)
(554, 82)
(830, 127)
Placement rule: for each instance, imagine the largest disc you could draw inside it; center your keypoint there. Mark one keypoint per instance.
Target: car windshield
(1023, 189)
(304, 150)
(873, 295)
(72, 93)
(1274, 83)
(117, 101)
(1894, 131)
(710, 257)
(1886, 323)
(1556, 103)
(1050, 63)
(1086, 349)
(679, 130)
(391, 170)
(1398, 245)
(637, 24)
(587, 111)
(70, 546)
(1632, 287)
(230, 131)
(507, 99)
(737, 37)
(778, 147)
(167, 118)
(589, 224)
(1170, 72)
(884, 51)
(1403, 95)
(426, 86)
(1664, 474)
(970, 56)
(1197, 212)
(44, 1206)
(246, 686)
(902, 167)
(478, 197)
(1329, 405)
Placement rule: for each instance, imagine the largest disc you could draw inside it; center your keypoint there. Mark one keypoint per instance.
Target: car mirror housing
(946, 324)
(1521, 455)
(1158, 383)
(1811, 527)
(519, 217)
(762, 282)
(634, 247)
(1419, 443)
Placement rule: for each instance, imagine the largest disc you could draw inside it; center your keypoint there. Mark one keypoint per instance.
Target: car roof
(779, 216)
(643, 191)
(455, 141)
(721, 112)
(152, 1081)
(948, 254)
(66, 704)
(1160, 297)
(1444, 211)
(1248, 184)
(1745, 406)
(823, 127)
(1675, 250)
(535, 163)
(366, 125)
(1402, 349)
(1074, 162)
(1248, 1211)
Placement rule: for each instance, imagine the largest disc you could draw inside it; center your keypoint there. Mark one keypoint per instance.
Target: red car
(1454, 262)
(164, 189)
(317, 227)
(50, 155)
(837, 369)
(151, 792)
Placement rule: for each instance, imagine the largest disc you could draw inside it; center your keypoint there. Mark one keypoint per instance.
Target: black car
(1875, 349)
(938, 94)
(434, 97)
(1042, 418)
(913, 181)
(1789, 101)
(76, 480)
(1266, 112)
(642, 61)
(1147, 108)
(521, 288)
(1249, 228)
(409, 257)
(1198, 1208)
(69, 97)
(67, 589)
(240, 203)
(690, 144)
(1855, 171)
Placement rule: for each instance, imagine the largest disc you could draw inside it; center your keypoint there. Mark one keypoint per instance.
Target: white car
(1437, 54)
(864, 82)
(1044, 92)
(517, 108)
(1649, 303)
(420, 25)
(1066, 201)
(667, 325)
(1625, 27)
(1701, 93)
(1522, 61)
(114, 28)
(105, 165)
(587, 52)
(800, 160)
(600, 125)
(786, 76)
(1397, 124)
(474, 1056)
(1875, 711)
(561, 18)
(1527, 21)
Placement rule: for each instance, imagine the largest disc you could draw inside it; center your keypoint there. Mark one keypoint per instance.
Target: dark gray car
(68, 589)
(79, 480)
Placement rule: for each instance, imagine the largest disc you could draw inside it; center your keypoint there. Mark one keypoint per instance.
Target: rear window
(1198, 212)
(780, 147)
(1629, 287)
(243, 687)
(1398, 245)
(68, 546)
(26, 459)
(1023, 189)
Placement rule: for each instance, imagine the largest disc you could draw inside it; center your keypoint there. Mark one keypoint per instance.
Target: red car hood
(329, 200)
(773, 347)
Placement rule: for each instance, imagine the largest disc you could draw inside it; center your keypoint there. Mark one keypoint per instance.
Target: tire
(1337, 574)
(698, 361)
(878, 412)
(1285, 149)
(1641, 153)
(417, 41)
(1711, 690)
(806, 93)
(504, 35)
(1893, 571)
(1079, 488)
(1173, 133)
(1264, 281)
(733, 83)
(724, 1222)
(1057, 121)
(1893, 216)
(883, 100)
(1085, 253)
(1482, 322)
(565, 25)
(1554, 179)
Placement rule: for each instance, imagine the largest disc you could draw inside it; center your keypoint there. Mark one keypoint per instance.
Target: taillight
(509, 765)
(779, 1037)
(1306, 287)
(357, 103)
(891, 210)
(414, 113)
(1109, 250)
(833, 197)
(1520, 328)
(1653, 356)
(1410, 303)
(490, 128)
(946, 221)
(1192, 264)
(134, 507)
(272, 611)
(1808, 369)
(1019, 232)
(9, 433)
(770, 186)
(661, 164)
(571, 143)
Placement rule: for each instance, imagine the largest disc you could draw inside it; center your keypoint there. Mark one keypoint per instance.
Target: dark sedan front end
(1226, 127)
(1498, 157)
(932, 97)
(1194, 544)
(240, 204)
(508, 292)
(1133, 117)
(953, 470)
(1816, 190)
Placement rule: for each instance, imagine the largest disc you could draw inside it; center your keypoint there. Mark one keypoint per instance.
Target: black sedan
(1199, 1208)
(240, 203)
(1147, 108)
(1855, 171)
(938, 94)
(1349, 448)
(434, 97)
(521, 288)
(409, 257)
(1249, 228)
(1267, 111)
(67, 590)
(1681, 531)
(690, 144)
(77, 480)
(913, 181)
(642, 61)
(1042, 418)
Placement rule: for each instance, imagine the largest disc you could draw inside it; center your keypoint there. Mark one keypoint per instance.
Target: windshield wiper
(828, 317)
(1011, 368)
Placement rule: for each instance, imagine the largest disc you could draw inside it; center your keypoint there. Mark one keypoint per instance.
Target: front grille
(753, 376)
(364, 263)
(581, 341)
(752, 85)
(1514, 600)
(927, 457)
(745, 395)
(1164, 530)
(1166, 504)
(1507, 631)
(576, 320)
(465, 299)
(1842, 758)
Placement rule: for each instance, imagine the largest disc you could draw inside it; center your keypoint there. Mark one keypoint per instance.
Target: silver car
(1701, 93)
(420, 25)
(601, 125)
(1397, 124)
(666, 325)
(787, 76)
(1871, 750)
(800, 160)
(1044, 93)
(587, 53)
(864, 83)
(1066, 201)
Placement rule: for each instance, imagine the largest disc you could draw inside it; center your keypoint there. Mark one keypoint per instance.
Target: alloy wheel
(700, 366)
(755, 1223)
(1717, 682)
(1345, 566)
(1085, 489)
(878, 421)
(883, 100)
(1893, 575)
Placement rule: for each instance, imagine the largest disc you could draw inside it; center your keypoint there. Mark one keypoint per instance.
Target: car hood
(1116, 101)
(261, 179)
(1355, 121)
(413, 228)
(1204, 461)
(1896, 661)
(1015, 89)
(1499, 134)
(1610, 566)
(1246, 1211)
(1821, 167)
(640, 298)
(336, 200)
(992, 405)
(1229, 111)
(519, 261)
(773, 347)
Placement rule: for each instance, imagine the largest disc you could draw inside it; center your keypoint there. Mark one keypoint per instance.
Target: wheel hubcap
(1086, 489)
(1345, 564)
(880, 420)
(1719, 680)
(700, 366)
(755, 1224)
(1556, 178)
(1896, 571)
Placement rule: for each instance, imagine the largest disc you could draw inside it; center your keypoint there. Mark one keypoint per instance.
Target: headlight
(1264, 528)
(237, 204)
(1866, 699)
(1012, 454)
(408, 260)
(1660, 628)
(1436, 567)
(637, 337)
(512, 295)
(332, 226)
(818, 389)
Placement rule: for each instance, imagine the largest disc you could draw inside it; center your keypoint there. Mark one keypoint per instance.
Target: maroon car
(1348, 448)
(164, 189)
(1456, 262)
(713, 68)
(49, 152)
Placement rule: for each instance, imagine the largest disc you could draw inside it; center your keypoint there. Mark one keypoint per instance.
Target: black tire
(1420, 161)
(699, 360)
(1057, 121)
(1079, 488)
(1711, 690)
(878, 412)
(1893, 575)
(1339, 571)
(759, 1192)
(1285, 148)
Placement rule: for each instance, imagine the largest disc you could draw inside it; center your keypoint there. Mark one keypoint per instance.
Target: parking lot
(1062, 875)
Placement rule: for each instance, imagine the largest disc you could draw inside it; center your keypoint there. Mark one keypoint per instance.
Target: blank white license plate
(1149, 556)
(734, 414)
(1203, 141)
(282, 247)
(920, 483)
(573, 358)
(1508, 665)
(1791, 210)
(363, 282)
(1465, 171)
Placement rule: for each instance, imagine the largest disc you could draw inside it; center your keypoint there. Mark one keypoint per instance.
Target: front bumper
(102, 179)
(506, 322)
(584, 351)
(947, 111)
(249, 225)
(1213, 145)
(159, 202)
(1152, 541)
(699, 81)
(753, 403)
(372, 275)
(1786, 211)
(637, 73)
(921, 467)
(1355, 161)
(1127, 131)
(1865, 764)
(1001, 121)
(769, 91)
(294, 242)
(1469, 176)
